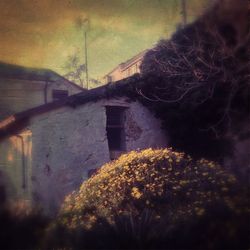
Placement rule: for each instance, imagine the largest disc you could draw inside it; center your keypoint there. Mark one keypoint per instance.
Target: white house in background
(23, 88)
(125, 69)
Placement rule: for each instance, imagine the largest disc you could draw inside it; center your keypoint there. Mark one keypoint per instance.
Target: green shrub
(171, 185)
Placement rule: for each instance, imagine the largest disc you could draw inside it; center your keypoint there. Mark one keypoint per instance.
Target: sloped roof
(24, 73)
(11, 71)
(20, 120)
(130, 61)
(134, 59)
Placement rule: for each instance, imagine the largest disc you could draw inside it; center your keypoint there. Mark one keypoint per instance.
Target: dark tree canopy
(198, 82)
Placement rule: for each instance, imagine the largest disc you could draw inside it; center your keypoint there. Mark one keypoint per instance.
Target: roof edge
(110, 90)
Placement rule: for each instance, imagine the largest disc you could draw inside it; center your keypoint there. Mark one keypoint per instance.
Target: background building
(125, 69)
(23, 88)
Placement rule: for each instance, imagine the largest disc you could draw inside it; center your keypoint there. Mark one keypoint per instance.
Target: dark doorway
(115, 130)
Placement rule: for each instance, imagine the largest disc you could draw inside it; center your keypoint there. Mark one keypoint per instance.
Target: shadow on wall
(15, 167)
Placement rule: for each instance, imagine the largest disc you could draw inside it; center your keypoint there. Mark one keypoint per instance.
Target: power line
(86, 59)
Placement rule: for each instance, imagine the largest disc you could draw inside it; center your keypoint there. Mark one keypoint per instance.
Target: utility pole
(86, 59)
(184, 12)
(85, 24)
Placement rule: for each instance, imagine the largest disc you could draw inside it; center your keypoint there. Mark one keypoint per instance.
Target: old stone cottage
(22, 88)
(46, 152)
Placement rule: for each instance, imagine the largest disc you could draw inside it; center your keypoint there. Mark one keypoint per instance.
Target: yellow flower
(199, 211)
(136, 193)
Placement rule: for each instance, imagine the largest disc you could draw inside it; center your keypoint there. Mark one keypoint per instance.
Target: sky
(44, 33)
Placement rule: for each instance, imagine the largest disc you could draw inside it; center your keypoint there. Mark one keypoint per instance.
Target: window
(109, 79)
(129, 72)
(115, 129)
(59, 94)
(136, 68)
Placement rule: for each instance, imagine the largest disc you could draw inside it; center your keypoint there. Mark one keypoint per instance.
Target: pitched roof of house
(18, 121)
(134, 59)
(130, 61)
(11, 71)
(24, 73)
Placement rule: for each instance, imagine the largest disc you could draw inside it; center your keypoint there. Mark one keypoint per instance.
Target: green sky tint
(44, 33)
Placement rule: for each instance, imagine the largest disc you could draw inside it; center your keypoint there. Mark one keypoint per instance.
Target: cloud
(42, 33)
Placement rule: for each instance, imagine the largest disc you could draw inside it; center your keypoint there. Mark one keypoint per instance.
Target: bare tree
(199, 79)
(75, 69)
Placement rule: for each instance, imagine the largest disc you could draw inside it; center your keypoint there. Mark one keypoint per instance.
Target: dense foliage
(155, 198)
(146, 199)
(218, 228)
(198, 81)
(169, 184)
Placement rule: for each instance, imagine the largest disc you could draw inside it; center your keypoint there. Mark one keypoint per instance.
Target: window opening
(115, 129)
(109, 79)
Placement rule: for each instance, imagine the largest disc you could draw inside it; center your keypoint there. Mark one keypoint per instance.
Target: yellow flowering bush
(167, 183)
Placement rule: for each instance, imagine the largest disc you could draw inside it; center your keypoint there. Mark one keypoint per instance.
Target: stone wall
(68, 142)
(142, 129)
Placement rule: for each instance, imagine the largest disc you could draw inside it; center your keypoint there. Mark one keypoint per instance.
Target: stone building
(24, 88)
(47, 151)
